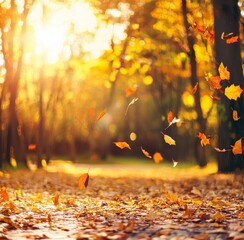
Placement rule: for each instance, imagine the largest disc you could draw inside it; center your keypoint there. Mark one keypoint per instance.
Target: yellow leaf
(196, 191)
(157, 157)
(172, 197)
(146, 153)
(83, 181)
(218, 217)
(235, 115)
(122, 145)
(223, 72)
(233, 92)
(169, 140)
(237, 148)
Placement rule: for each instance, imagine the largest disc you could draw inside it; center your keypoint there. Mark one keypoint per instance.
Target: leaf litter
(44, 205)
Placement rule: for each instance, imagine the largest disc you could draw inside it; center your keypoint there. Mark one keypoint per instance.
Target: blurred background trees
(62, 63)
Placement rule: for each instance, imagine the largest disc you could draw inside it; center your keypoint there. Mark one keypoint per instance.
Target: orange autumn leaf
(55, 200)
(100, 115)
(170, 116)
(233, 92)
(218, 217)
(4, 195)
(171, 197)
(31, 147)
(169, 140)
(228, 38)
(145, 153)
(237, 148)
(232, 39)
(214, 82)
(122, 145)
(223, 72)
(235, 115)
(205, 31)
(83, 181)
(210, 35)
(157, 157)
(204, 139)
(199, 28)
(130, 90)
(194, 89)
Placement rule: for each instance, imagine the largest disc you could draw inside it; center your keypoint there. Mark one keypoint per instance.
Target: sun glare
(71, 29)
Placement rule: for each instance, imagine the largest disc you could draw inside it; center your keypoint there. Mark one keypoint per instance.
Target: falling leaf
(55, 200)
(3, 195)
(174, 120)
(174, 163)
(194, 89)
(237, 148)
(132, 102)
(220, 150)
(157, 157)
(83, 181)
(146, 153)
(223, 36)
(204, 139)
(223, 72)
(218, 217)
(232, 39)
(235, 115)
(169, 140)
(31, 147)
(214, 82)
(205, 31)
(100, 115)
(130, 90)
(170, 117)
(233, 92)
(228, 38)
(122, 145)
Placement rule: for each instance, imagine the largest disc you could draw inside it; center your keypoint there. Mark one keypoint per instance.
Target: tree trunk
(200, 153)
(226, 19)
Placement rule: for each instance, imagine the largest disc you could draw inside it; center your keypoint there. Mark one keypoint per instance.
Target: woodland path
(121, 202)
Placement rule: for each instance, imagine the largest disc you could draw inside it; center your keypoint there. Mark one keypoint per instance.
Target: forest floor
(121, 202)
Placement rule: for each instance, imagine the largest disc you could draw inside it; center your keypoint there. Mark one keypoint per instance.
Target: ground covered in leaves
(50, 205)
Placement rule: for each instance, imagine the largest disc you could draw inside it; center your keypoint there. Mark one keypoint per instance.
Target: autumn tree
(13, 29)
(227, 21)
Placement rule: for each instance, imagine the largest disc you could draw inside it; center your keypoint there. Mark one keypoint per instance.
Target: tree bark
(200, 153)
(227, 20)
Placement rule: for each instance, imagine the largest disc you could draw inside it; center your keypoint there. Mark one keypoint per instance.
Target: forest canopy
(99, 78)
